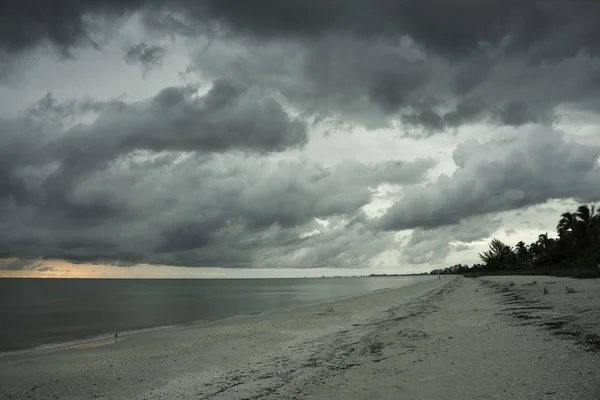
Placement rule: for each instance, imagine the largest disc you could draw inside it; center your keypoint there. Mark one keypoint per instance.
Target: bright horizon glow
(65, 269)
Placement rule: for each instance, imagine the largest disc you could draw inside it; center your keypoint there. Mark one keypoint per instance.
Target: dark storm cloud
(453, 28)
(429, 119)
(149, 56)
(8, 66)
(458, 28)
(42, 161)
(361, 81)
(170, 179)
(433, 64)
(266, 207)
(501, 175)
(201, 211)
(228, 117)
(52, 166)
(374, 82)
(161, 181)
(63, 24)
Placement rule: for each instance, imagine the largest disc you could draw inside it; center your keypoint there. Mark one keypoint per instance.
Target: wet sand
(452, 338)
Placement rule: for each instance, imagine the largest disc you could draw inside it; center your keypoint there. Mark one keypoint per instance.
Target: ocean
(35, 312)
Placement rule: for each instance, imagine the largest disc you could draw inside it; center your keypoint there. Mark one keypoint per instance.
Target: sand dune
(452, 338)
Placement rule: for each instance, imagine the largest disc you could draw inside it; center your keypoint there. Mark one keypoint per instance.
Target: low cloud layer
(501, 175)
(159, 182)
(202, 210)
(428, 246)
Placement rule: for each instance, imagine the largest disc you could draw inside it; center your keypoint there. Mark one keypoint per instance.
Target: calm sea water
(39, 311)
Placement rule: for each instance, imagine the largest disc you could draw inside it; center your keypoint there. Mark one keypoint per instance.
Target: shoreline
(108, 336)
(65, 320)
(438, 339)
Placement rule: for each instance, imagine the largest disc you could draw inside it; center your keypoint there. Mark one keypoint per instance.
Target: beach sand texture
(450, 338)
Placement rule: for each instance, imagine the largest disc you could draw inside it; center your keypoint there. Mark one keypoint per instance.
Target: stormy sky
(370, 134)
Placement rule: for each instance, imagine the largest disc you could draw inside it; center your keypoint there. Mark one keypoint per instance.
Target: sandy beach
(450, 338)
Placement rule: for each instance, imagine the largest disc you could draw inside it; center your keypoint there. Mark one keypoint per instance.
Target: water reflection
(37, 311)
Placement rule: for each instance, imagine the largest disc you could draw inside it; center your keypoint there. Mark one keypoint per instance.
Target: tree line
(576, 249)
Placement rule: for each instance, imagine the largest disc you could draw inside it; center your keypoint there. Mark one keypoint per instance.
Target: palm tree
(545, 243)
(535, 251)
(576, 231)
(587, 214)
(589, 221)
(566, 225)
(499, 255)
(522, 253)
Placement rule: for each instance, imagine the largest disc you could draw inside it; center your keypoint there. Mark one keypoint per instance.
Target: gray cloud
(149, 56)
(44, 269)
(43, 161)
(510, 232)
(7, 66)
(430, 120)
(360, 81)
(56, 170)
(431, 246)
(161, 181)
(15, 265)
(65, 25)
(338, 244)
(188, 210)
(192, 179)
(455, 28)
(375, 82)
(50, 109)
(228, 117)
(510, 62)
(462, 247)
(501, 175)
(24, 264)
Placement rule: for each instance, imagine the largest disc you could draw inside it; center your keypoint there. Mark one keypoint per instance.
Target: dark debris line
(527, 312)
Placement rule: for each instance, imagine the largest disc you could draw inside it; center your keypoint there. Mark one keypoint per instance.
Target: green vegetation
(576, 251)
